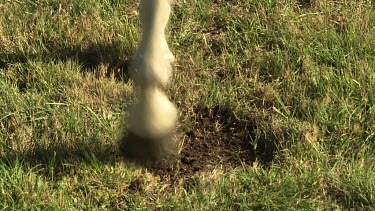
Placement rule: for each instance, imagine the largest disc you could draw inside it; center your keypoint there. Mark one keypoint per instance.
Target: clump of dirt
(217, 139)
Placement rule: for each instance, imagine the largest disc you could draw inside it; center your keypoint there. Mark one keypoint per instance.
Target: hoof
(146, 149)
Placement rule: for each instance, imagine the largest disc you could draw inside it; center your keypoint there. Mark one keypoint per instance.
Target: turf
(276, 105)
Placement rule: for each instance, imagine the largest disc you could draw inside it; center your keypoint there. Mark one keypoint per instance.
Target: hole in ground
(217, 139)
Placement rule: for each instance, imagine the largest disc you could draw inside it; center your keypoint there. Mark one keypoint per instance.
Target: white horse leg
(153, 119)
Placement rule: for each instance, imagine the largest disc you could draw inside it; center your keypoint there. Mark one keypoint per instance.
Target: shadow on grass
(57, 160)
(89, 56)
(304, 4)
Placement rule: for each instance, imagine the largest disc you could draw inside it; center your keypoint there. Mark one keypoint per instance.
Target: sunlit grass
(301, 72)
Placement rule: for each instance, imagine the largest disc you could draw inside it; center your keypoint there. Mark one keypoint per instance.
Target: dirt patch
(217, 139)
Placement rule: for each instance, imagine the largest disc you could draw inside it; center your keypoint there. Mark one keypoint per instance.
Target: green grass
(301, 72)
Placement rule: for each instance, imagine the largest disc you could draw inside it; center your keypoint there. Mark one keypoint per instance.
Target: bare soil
(217, 139)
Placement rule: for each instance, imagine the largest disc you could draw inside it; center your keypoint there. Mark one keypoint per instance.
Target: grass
(300, 73)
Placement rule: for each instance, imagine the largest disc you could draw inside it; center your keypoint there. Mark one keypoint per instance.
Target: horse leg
(152, 120)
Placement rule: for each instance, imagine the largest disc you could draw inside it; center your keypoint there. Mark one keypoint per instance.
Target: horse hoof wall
(146, 149)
